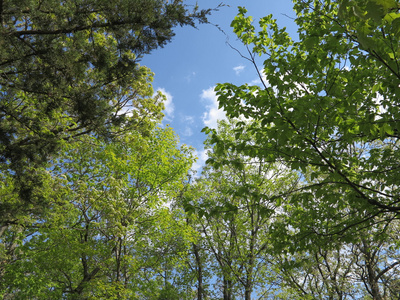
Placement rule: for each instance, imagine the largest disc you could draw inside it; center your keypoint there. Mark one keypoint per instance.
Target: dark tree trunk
(200, 290)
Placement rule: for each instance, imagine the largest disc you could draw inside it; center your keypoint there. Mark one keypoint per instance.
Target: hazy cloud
(257, 81)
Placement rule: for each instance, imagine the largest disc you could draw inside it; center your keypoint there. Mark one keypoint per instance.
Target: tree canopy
(72, 67)
(299, 198)
(108, 208)
(327, 106)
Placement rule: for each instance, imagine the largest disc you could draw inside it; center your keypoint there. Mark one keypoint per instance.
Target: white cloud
(238, 69)
(213, 114)
(202, 156)
(169, 105)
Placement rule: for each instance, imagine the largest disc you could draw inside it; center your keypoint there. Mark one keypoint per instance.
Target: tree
(95, 238)
(195, 271)
(70, 68)
(360, 270)
(239, 200)
(328, 107)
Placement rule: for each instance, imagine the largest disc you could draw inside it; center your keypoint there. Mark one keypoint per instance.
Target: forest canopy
(328, 105)
(70, 68)
(299, 198)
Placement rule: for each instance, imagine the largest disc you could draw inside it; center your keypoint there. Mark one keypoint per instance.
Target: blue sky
(187, 69)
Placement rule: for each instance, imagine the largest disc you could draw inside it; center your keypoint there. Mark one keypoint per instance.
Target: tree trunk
(199, 273)
(227, 289)
(372, 278)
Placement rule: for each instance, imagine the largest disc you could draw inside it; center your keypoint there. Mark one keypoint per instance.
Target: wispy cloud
(187, 119)
(187, 131)
(213, 114)
(238, 69)
(188, 123)
(189, 77)
(169, 105)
